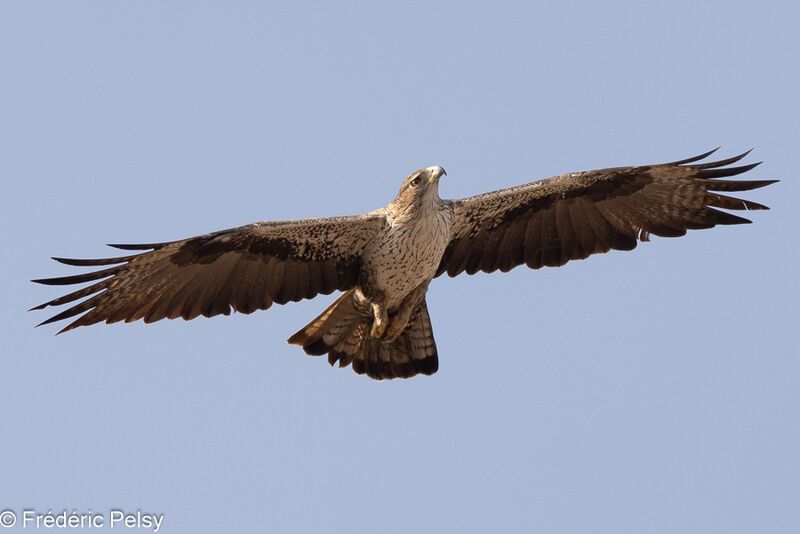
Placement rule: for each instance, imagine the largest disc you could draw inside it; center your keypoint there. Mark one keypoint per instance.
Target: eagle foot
(379, 325)
(380, 321)
(396, 327)
(377, 330)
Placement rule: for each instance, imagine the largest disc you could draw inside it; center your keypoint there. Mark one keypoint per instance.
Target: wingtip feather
(695, 158)
(727, 171)
(138, 246)
(93, 262)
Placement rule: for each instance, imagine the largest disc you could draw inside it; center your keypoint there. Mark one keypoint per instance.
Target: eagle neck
(405, 213)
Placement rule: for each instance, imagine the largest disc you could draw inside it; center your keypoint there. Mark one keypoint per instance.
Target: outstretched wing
(247, 268)
(568, 217)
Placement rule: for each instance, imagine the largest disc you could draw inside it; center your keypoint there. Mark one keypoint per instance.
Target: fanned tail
(343, 332)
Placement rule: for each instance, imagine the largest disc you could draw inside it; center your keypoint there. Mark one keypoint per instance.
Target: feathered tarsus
(384, 260)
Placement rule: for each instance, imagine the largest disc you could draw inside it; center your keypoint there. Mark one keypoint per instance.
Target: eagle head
(419, 192)
(422, 183)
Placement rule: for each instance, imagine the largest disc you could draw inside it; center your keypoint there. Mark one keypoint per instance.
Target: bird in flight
(384, 260)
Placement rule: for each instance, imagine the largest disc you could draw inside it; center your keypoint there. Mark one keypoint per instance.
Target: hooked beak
(434, 173)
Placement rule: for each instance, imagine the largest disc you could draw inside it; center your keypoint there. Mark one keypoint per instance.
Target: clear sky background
(645, 391)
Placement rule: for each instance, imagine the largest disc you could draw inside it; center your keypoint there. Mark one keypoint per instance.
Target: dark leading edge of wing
(572, 216)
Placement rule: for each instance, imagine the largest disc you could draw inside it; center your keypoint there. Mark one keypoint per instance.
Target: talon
(392, 336)
(394, 330)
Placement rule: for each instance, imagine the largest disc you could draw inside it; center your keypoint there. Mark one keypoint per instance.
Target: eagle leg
(380, 319)
(399, 321)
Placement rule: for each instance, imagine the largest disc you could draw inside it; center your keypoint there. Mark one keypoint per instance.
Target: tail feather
(331, 327)
(343, 333)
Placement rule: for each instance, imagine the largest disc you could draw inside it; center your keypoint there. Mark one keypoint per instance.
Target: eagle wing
(246, 268)
(569, 217)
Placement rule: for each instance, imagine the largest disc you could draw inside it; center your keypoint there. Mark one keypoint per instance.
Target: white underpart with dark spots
(409, 252)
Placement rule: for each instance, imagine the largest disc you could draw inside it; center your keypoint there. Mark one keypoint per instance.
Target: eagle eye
(415, 182)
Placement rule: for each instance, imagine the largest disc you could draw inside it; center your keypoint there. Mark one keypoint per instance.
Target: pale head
(423, 180)
(421, 187)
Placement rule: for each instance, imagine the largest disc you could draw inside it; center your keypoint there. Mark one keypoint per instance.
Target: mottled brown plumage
(385, 259)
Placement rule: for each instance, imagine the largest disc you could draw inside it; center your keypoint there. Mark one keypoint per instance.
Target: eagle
(384, 260)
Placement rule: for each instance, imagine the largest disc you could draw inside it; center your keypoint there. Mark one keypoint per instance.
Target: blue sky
(646, 391)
